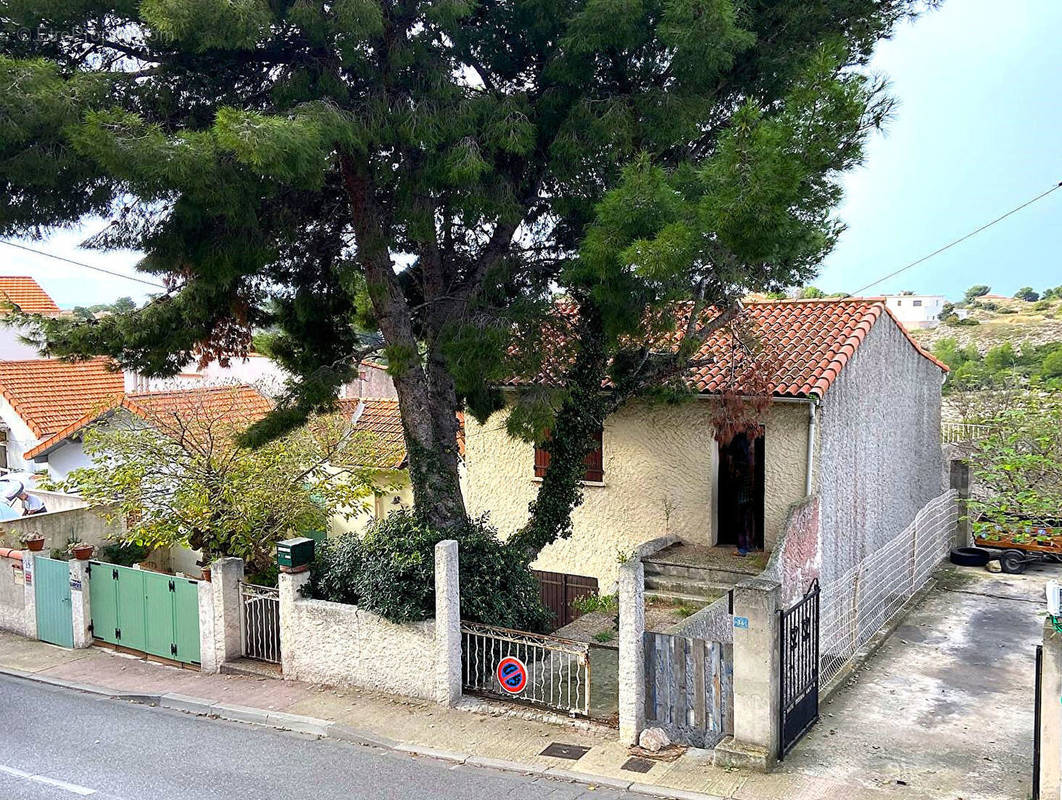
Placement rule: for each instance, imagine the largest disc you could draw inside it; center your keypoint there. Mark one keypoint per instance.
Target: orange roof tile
(380, 417)
(49, 394)
(237, 404)
(803, 343)
(24, 292)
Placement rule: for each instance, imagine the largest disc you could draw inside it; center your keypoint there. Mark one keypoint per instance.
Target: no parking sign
(512, 675)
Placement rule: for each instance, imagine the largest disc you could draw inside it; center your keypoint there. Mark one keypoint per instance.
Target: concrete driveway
(944, 708)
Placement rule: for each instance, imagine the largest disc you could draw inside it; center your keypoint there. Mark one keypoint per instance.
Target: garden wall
(14, 615)
(343, 645)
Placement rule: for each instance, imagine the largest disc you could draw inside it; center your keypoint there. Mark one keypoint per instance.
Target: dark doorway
(740, 496)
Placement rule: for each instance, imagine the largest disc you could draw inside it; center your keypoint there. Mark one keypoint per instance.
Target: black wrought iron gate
(799, 676)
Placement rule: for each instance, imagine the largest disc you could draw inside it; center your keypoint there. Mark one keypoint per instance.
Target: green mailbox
(295, 553)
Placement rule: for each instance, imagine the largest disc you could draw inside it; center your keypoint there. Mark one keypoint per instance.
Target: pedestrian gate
(799, 675)
(689, 688)
(52, 596)
(146, 611)
(260, 622)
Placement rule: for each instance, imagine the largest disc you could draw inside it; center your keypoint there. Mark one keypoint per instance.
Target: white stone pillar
(754, 744)
(631, 651)
(447, 623)
(290, 585)
(1051, 714)
(208, 654)
(80, 603)
(29, 587)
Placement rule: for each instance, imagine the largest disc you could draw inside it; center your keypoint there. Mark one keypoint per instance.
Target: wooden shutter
(594, 462)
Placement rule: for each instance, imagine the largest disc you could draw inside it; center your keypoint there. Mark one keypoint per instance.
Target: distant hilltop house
(853, 424)
(916, 310)
(23, 293)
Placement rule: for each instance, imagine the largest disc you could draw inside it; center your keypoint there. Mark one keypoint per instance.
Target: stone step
(252, 668)
(723, 579)
(677, 597)
(683, 587)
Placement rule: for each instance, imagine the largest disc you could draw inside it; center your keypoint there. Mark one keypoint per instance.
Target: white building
(916, 310)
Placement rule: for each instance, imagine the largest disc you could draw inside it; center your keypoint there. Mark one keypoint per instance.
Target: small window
(899, 303)
(916, 302)
(595, 471)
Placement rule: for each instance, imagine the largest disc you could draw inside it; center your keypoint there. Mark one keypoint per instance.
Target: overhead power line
(948, 246)
(81, 264)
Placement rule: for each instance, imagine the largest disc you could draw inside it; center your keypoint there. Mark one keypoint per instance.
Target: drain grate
(635, 764)
(571, 751)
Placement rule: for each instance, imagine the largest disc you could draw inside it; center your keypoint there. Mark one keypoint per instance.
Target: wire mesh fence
(860, 602)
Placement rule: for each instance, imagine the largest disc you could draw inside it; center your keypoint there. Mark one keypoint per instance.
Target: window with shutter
(595, 470)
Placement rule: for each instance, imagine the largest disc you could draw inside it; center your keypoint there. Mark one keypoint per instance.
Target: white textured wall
(343, 645)
(65, 459)
(880, 456)
(12, 596)
(19, 439)
(654, 457)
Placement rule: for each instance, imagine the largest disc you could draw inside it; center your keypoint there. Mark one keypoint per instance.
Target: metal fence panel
(557, 670)
(260, 622)
(859, 603)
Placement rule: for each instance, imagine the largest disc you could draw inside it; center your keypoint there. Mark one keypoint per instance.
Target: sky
(977, 131)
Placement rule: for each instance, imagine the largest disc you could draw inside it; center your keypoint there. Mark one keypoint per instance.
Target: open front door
(739, 501)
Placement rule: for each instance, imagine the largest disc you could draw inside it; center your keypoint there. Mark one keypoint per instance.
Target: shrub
(124, 554)
(391, 571)
(609, 603)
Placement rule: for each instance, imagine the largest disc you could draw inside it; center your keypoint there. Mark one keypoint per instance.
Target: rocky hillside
(1001, 320)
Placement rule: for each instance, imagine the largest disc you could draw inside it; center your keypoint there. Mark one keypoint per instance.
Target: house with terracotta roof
(238, 404)
(42, 396)
(852, 421)
(23, 293)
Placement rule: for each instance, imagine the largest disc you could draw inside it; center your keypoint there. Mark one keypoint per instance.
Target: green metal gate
(52, 596)
(147, 611)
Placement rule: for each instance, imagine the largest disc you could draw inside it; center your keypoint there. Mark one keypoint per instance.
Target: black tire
(1013, 562)
(970, 556)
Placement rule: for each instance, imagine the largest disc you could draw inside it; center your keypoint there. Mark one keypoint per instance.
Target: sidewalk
(419, 728)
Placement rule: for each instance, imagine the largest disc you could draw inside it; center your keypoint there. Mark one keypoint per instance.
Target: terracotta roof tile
(238, 404)
(381, 418)
(24, 292)
(49, 394)
(804, 343)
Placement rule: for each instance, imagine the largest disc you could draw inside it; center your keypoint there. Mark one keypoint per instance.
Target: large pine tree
(425, 167)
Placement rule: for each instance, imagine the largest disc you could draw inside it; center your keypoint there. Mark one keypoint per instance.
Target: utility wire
(81, 264)
(948, 246)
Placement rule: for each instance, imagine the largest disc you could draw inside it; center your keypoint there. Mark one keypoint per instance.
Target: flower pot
(82, 552)
(34, 543)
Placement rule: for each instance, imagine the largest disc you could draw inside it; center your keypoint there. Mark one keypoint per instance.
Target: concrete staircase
(694, 576)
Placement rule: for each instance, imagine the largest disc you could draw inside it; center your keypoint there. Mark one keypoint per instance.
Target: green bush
(124, 554)
(391, 571)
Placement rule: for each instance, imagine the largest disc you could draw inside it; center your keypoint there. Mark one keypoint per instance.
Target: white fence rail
(555, 672)
(959, 432)
(861, 602)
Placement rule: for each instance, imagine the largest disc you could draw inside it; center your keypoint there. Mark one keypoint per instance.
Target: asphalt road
(57, 744)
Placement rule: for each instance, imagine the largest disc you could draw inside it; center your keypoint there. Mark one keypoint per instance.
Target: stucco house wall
(880, 458)
(19, 439)
(394, 492)
(660, 465)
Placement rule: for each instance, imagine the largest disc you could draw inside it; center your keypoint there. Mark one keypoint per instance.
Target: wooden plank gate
(146, 611)
(51, 592)
(689, 688)
(559, 591)
(798, 688)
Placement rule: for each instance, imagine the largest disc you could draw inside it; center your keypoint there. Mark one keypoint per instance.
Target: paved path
(945, 707)
(60, 745)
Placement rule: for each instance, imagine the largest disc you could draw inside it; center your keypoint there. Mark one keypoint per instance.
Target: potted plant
(34, 542)
(82, 551)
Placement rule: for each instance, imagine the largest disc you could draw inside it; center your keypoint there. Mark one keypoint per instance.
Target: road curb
(204, 707)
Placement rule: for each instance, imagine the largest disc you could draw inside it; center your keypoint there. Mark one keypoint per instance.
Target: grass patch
(605, 636)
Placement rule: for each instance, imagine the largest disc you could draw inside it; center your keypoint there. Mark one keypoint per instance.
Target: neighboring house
(854, 418)
(916, 310)
(254, 370)
(373, 381)
(386, 455)
(24, 293)
(40, 397)
(63, 452)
